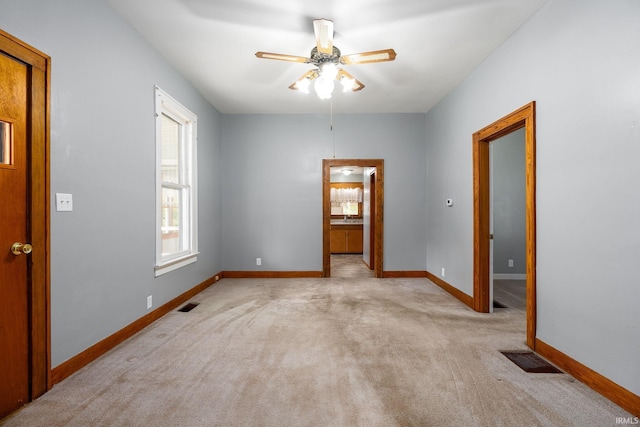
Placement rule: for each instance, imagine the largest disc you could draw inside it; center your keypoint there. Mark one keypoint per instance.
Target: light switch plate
(64, 202)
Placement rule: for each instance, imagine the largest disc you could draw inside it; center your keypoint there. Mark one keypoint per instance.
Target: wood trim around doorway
(39, 118)
(327, 164)
(524, 117)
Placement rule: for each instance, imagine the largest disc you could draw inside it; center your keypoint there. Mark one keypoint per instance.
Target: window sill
(174, 264)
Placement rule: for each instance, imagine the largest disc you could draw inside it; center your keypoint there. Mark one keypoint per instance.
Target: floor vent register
(188, 307)
(531, 362)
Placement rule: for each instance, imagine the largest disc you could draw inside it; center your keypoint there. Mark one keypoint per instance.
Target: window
(345, 208)
(176, 196)
(6, 143)
(346, 199)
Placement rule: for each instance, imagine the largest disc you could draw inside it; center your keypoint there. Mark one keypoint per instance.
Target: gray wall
(273, 208)
(508, 205)
(580, 61)
(103, 152)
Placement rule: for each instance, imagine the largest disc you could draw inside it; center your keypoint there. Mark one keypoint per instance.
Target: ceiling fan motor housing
(319, 58)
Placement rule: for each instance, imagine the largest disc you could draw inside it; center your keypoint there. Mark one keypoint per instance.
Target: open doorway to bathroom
(357, 236)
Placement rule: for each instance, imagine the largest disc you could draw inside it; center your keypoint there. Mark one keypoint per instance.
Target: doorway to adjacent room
(508, 225)
(519, 119)
(372, 231)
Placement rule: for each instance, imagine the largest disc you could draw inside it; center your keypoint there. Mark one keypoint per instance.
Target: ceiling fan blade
(282, 57)
(367, 57)
(323, 28)
(303, 83)
(351, 82)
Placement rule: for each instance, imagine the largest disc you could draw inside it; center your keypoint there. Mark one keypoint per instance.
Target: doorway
(24, 187)
(508, 247)
(521, 118)
(376, 202)
(372, 216)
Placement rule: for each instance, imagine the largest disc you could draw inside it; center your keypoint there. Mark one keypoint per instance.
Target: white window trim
(166, 104)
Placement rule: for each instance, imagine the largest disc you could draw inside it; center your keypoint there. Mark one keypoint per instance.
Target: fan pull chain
(331, 115)
(333, 134)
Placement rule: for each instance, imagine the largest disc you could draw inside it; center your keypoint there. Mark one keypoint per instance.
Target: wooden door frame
(39, 66)
(372, 191)
(523, 117)
(327, 164)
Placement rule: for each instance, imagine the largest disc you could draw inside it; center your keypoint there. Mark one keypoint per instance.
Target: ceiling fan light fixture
(329, 70)
(347, 83)
(323, 87)
(327, 57)
(303, 85)
(324, 84)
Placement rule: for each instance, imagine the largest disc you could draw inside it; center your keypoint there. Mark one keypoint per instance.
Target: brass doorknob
(21, 248)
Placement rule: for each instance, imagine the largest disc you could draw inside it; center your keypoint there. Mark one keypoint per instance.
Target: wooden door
(24, 277)
(14, 300)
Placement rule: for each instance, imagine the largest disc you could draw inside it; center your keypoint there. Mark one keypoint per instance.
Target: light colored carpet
(320, 352)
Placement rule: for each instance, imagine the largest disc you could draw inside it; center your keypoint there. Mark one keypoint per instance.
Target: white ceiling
(213, 43)
(337, 170)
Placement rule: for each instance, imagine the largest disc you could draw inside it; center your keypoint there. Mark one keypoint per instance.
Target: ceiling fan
(327, 58)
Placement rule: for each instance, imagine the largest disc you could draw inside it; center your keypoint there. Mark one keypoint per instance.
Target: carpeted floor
(320, 352)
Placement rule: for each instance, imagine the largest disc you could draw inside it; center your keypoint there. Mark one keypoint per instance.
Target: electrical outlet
(510, 263)
(442, 271)
(149, 302)
(258, 261)
(64, 202)
(216, 278)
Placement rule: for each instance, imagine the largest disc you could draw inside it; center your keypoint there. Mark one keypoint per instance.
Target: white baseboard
(509, 277)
